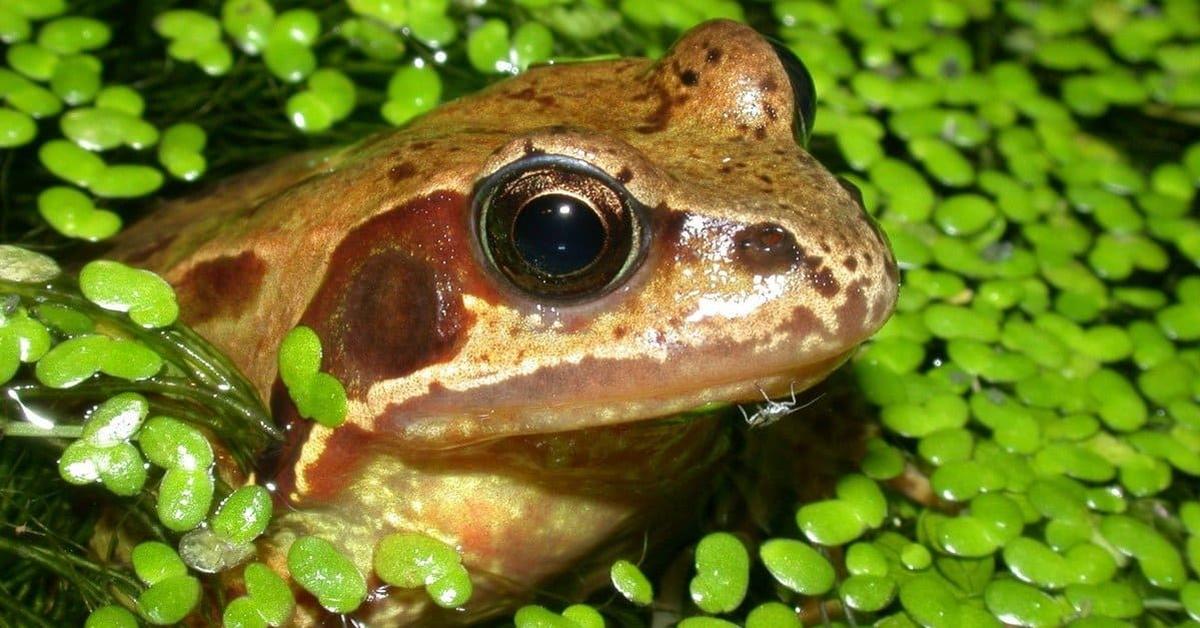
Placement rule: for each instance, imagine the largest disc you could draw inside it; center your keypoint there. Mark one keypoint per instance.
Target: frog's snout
(766, 248)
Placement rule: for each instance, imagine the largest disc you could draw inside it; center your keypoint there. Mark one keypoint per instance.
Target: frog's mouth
(431, 422)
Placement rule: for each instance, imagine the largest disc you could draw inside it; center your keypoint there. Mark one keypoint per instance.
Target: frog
(531, 295)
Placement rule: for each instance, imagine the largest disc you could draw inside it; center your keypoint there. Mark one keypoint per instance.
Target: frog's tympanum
(517, 288)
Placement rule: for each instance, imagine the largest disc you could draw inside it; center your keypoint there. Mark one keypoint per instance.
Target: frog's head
(597, 243)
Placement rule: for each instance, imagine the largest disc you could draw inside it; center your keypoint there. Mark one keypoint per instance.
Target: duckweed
(181, 151)
(111, 616)
(722, 573)
(772, 615)
(317, 395)
(77, 359)
(184, 496)
(797, 566)
(248, 22)
(630, 582)
(71, 212)
(1160, 563)
(73, 34)
(540, 617)
(268, 594)
(408, 560)
(154, 561)
(25, 266)
(244, 515)
(116, 420)
(170, 600)
(323, 571)
(170, 444)
(194, 37)
(146, 297)
(126, 181)
(411, 92)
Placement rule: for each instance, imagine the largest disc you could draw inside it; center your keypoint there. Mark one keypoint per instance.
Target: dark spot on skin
(391, 299)
(558, 129)
(724, 169)
(771, 113)
(760, 133)
(764, 178)
(401, 171)
(852, 314)
(766, 248)
(545, 101)
(421, 145)
(224, 287)
(825, 248)
(689, 78)
(850, 263)
(868, 258)
(625, 175)
(530, 149)
(712, 55)
(670, 234)
(820, 278)
(802, 323)
(657, 120)
(769, 84)
(619, 333)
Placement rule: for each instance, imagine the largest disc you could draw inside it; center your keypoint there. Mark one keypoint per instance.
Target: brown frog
(517, 288)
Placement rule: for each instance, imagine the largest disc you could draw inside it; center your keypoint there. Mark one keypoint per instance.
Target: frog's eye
(803, 92)
(558, 228)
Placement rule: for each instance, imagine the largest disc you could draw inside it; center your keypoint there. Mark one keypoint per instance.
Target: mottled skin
(510, 427)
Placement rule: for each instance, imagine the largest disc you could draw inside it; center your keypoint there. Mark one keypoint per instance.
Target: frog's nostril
(766, 247)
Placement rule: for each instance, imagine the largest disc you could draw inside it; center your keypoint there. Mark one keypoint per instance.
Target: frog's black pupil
(558, 234)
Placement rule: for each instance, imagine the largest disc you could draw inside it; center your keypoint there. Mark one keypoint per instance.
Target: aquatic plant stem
(24, 429)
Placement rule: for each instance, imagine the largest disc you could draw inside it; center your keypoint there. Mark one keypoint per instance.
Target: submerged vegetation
(1020, 443)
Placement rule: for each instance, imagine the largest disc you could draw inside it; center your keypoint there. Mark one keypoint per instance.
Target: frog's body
(499, 421)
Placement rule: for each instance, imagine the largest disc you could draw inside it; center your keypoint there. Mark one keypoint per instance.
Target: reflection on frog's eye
(803, 92)
(558, 228)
